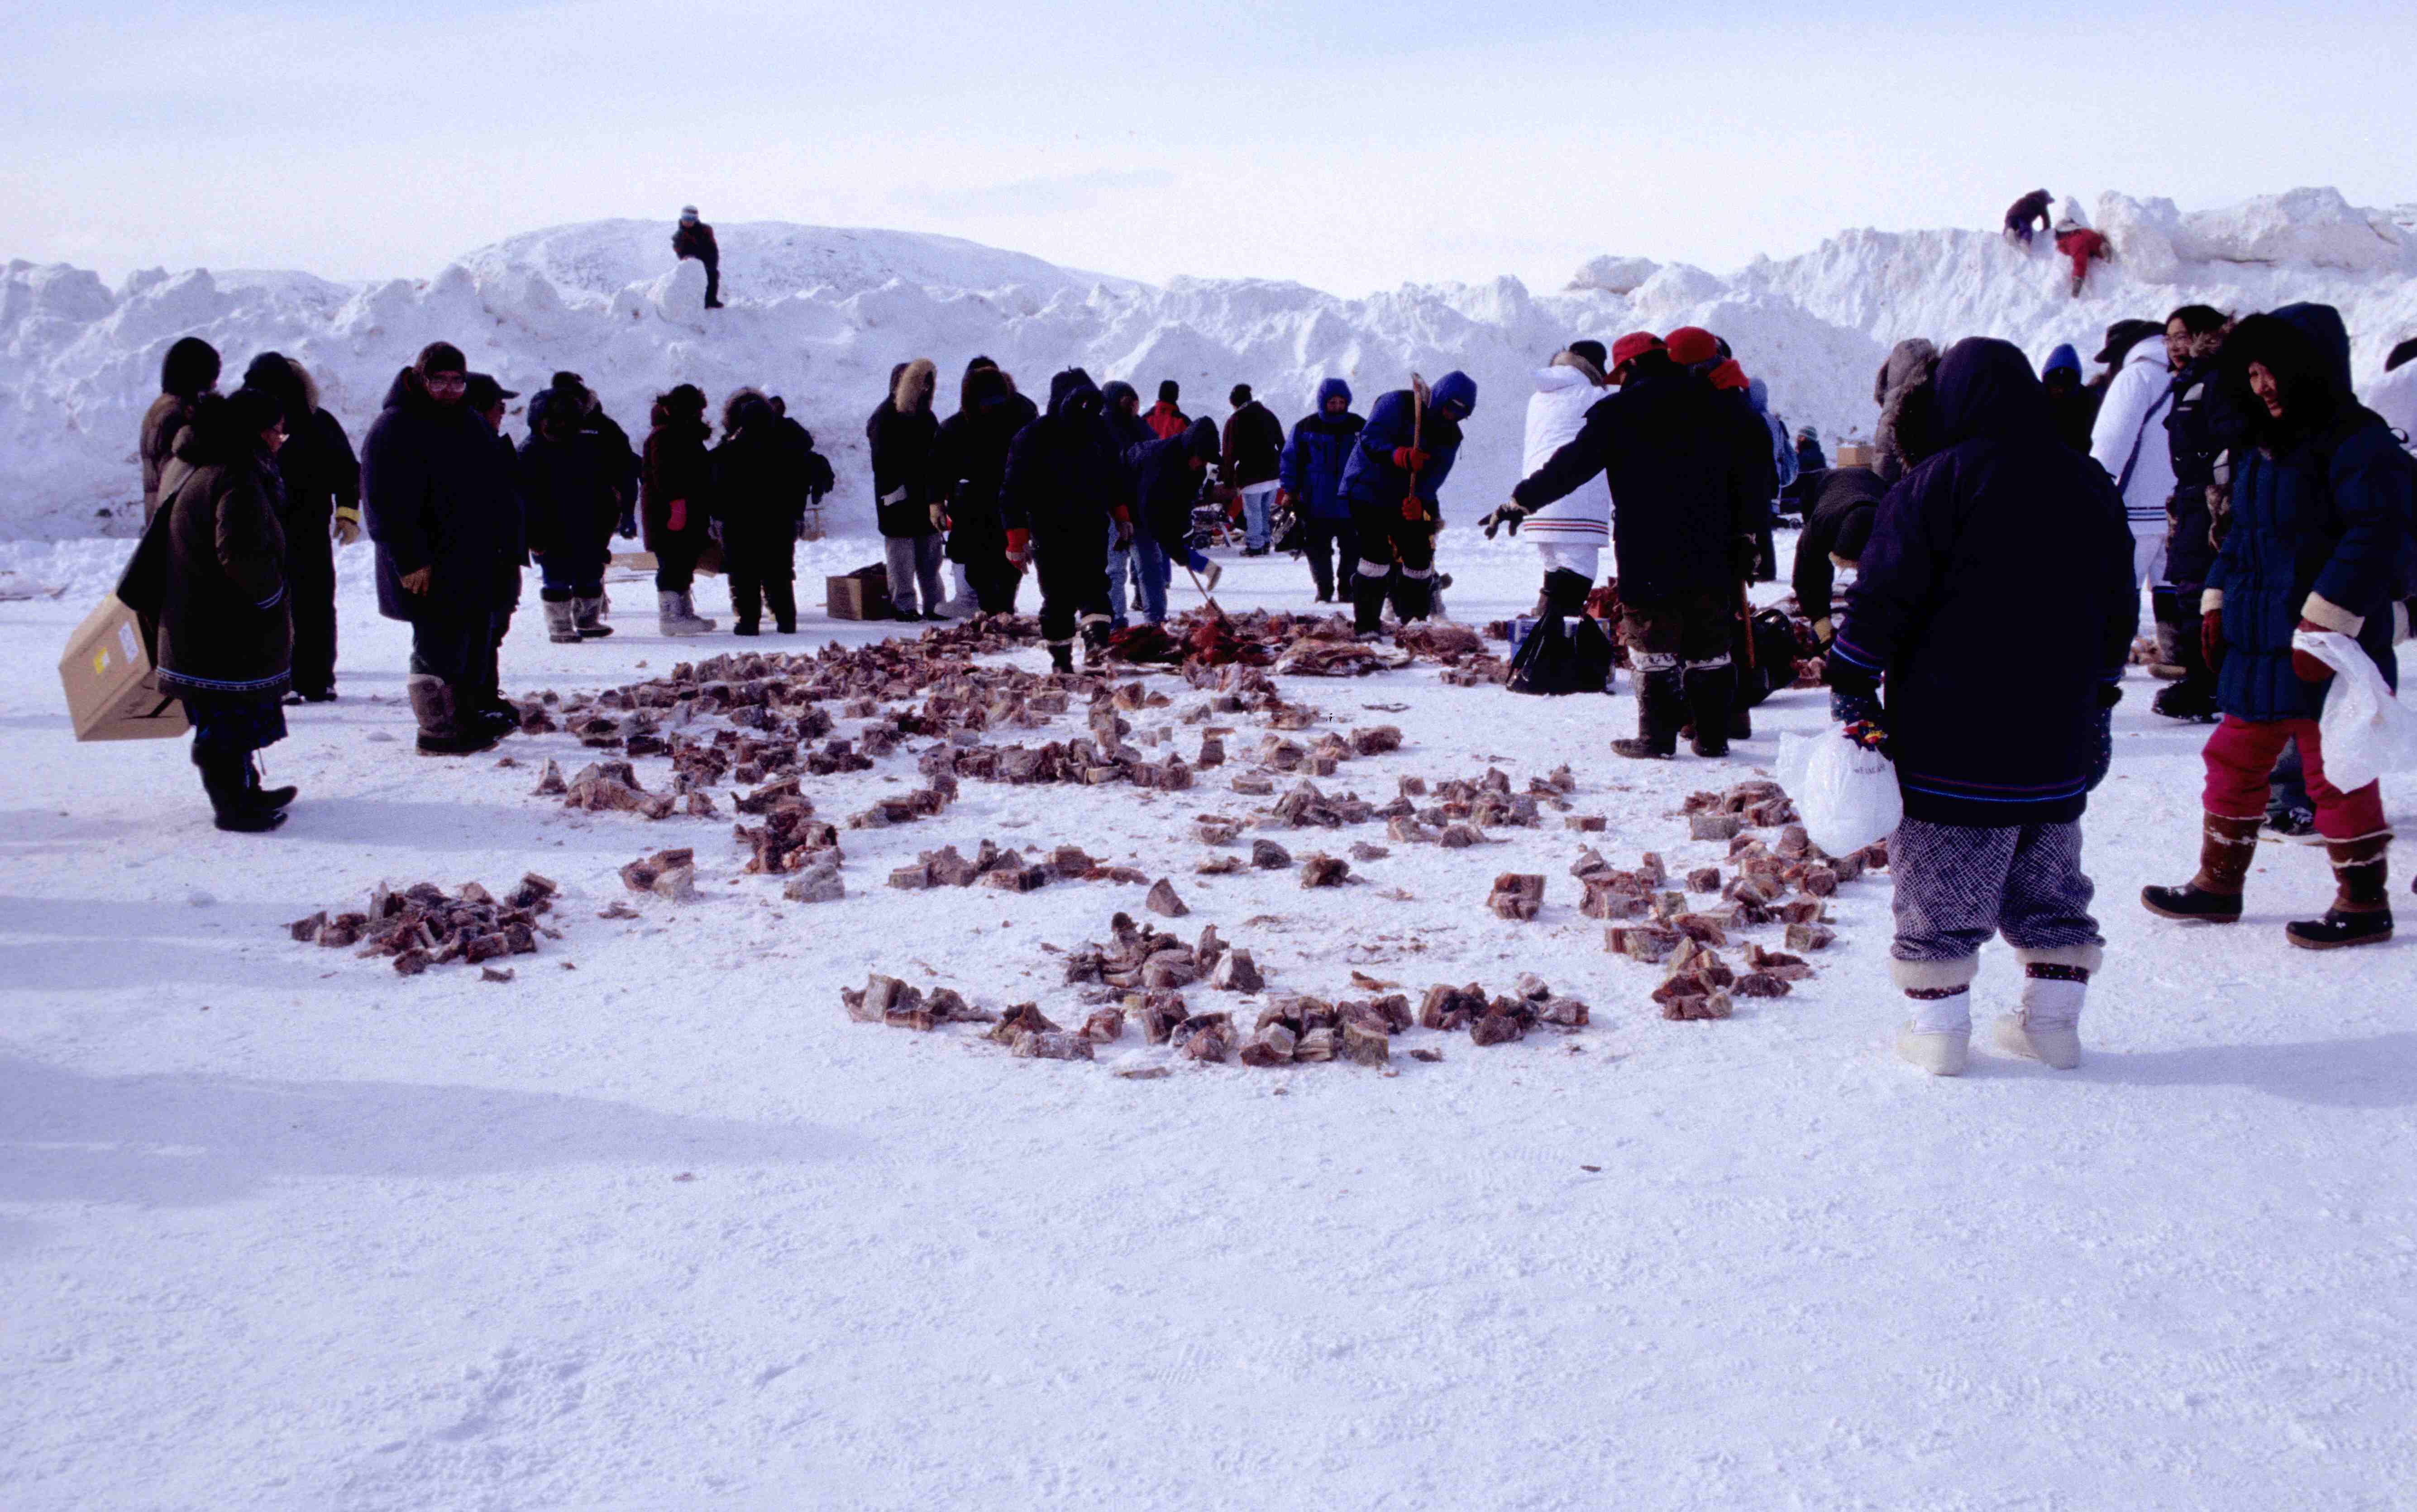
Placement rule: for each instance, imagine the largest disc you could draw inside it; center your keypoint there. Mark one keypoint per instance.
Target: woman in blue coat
(2319, 528)
(1392, 484)
(1311, 472)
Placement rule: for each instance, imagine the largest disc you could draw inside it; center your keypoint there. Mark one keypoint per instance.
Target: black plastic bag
(1561, 657)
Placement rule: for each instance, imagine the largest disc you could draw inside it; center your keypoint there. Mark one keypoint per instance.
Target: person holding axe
(1393, 482)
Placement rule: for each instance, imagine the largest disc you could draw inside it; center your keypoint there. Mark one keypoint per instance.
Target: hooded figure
(323, 505)
(188, 370)
(970, 473)
(2129, 441)
(1947, 609)
(567, 480)
(2319, 540)
(1901, 391)
(1685, 506)
(2071, 403)
(1167, 477)
(902, 434)
(1064, 482)
(1394, 483)
(1571, 532)
(675, 504)
(1310, 474)
(759, 496)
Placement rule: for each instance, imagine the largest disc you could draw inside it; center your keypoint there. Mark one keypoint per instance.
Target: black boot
(1367, 605)
(265, 797)
(1565, 594)
(1095, 642)
(2361, 911)
(1711, 692)
(2225, 848)
(1661, 708)
(1413, 598)
(781, 597)
(226, 779)
(1061, 655)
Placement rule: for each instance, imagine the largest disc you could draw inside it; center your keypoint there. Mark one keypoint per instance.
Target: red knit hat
(1690, 344)
(1632, 347)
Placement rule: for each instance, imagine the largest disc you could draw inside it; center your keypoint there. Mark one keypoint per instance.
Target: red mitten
(2210, 636)
(678, 518)
(1019, 544)
(1412, 510)
(1409, 458)
(2306, 668)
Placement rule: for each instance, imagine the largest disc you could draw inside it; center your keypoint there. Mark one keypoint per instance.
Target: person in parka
(1309, 476)
(1570, 533)
(2129, 441)
(2202, 425)
(675, 504)
(620, 459)
(2073, 404)
(1810, 458)
(2320, 521)
(1138, 565)
(1064, 482)
(2029, 215)
(1166, 418)
(1839, 504)
(1393, 483)
(1255, 441)
(187, 370)
(440, 501)
(759, 495)
(1945, 611)
(970, 473)
(567, 483)
(694, 238)
(322, 508)
(225, 635)
(1681, 536)
(901, 433)
(1903, 392)
(1167, 478)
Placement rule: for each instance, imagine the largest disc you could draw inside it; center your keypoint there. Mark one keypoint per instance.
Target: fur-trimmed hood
(916, 384)
(739, 399)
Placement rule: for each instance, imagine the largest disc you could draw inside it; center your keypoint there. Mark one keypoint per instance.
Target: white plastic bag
(1846, 795)
(2366, 732)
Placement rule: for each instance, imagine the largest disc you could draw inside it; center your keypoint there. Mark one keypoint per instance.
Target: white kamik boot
(673, 618)
(1938, 1036)
(560, 627)
(2047, 1027)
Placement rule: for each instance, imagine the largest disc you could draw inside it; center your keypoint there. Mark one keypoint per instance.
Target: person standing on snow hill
(675, 504)
(2129, 442)
(225, 637)
(322, 482)
(2027, 216)
(1064, 482)
(2320, 515)
(2084, 245)
(759, 495)
(2202, 426)
(1255, 441)
(970, 472)
(1570, 533)
(567, 480)
(1393, 483)
(1901, 391)
(902, 432)
(1992, 706)
(1667, 443)
(694, 239)
(1167, 476)
(1310, 478)
(2073, 406)
(1163, 418)
(189, 370)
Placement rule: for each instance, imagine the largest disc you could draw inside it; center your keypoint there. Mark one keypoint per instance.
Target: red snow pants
(2240, 756)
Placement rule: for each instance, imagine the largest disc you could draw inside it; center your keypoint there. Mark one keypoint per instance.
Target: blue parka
(1996, 597)
(1317, 452)
(2320, 521)
(1370, 479)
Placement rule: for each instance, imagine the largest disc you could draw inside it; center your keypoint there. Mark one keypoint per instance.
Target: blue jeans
(1119, 563)
(1151, 574)
(1257, 500)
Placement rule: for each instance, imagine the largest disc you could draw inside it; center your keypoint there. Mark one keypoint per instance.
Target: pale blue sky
(1347, 146)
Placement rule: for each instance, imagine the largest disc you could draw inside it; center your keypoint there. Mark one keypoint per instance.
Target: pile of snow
(821, 314)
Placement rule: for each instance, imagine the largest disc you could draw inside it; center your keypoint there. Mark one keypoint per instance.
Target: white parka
(1556, 412)
(2137, 401)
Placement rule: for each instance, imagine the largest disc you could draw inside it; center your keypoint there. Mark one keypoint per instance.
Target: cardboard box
(112, 689)
(1854, 454)
(863, 594)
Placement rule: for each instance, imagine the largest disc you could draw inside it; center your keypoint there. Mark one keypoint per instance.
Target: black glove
(1509, 514)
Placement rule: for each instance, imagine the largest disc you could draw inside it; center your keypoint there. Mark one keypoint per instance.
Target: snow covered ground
(281, 1230)
(820, 314)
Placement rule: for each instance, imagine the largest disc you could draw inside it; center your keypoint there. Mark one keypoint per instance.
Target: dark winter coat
(1253, 444)
(1903, 392)
(319, 472)
(1810, 458)
(675, 465)
(1669, 443)
(1316, 453)
(1064, 479)
(694, 239)
(971, 468)
(1839, 506)
(2320, 517)
(567, 486)
(1370, 479)
(1996, 596)
(902, 434)
(1166, 485)
(1130, 430)
(226, 628)
(2030, 212)
(759, 494)
(2203, 424)
(438, 491)
(163, 426)
(614, 454)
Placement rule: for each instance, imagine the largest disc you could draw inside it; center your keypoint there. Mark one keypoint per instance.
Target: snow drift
(820, 314)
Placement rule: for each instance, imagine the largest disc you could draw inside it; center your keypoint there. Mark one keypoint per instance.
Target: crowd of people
(2225, 466)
